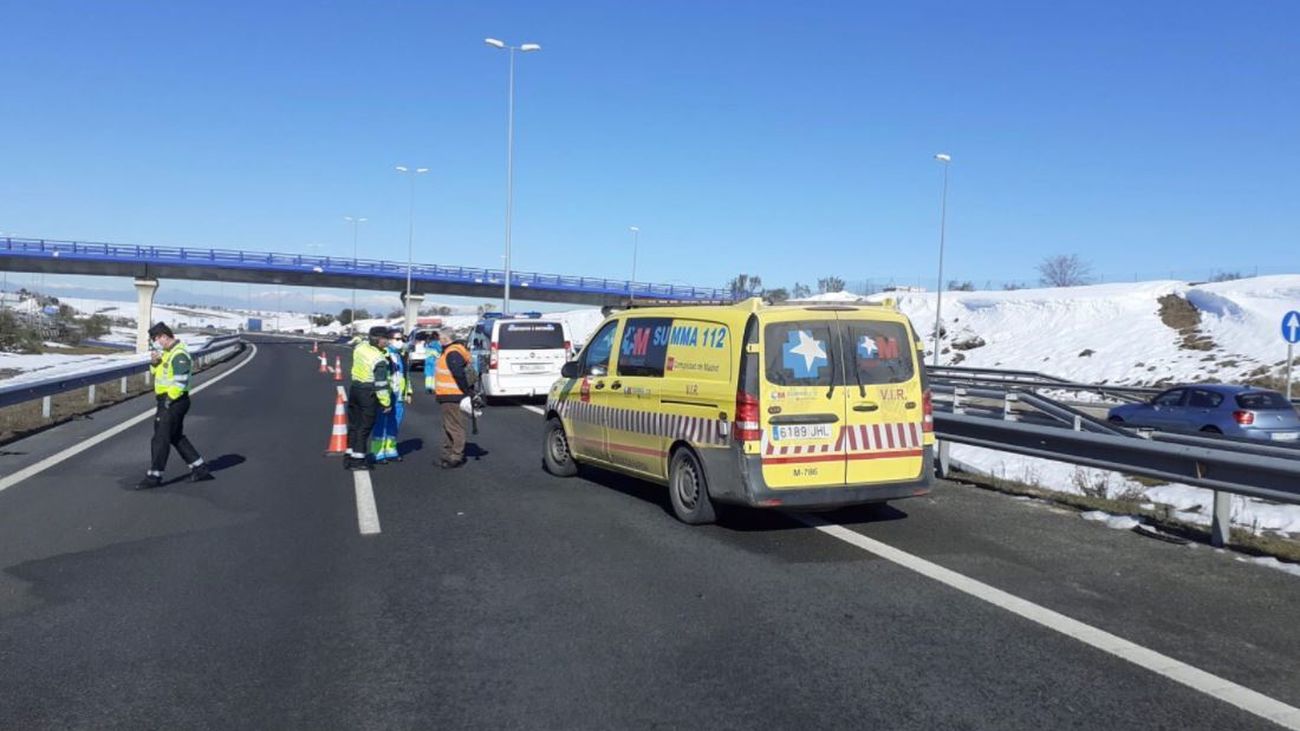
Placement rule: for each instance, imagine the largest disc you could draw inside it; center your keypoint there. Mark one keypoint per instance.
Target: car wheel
(556, 456)
(689, 489)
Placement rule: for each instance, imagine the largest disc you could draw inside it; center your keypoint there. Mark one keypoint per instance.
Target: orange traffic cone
(323, 367)
(339, 433)
(338, 368)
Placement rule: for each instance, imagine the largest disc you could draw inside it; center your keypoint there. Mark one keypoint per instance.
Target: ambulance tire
(689, 489)
(557, 457)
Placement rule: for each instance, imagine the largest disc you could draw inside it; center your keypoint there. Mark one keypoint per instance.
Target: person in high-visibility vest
(383, 445)
(453, 379)
(369, 395)
(171, 368)
(432, 351)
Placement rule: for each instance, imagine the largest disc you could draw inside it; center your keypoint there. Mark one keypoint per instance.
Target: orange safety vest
(444, 384)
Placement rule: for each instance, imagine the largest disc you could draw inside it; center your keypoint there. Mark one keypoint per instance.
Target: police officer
(454, 379)
(368, 396)
(171, 369)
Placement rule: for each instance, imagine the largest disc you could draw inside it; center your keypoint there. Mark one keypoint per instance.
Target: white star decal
(810, 348)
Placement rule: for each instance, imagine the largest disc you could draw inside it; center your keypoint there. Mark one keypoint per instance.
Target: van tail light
(493, 358)
(747, 428)
(568, 349)
(927, 405)
(1245, 418)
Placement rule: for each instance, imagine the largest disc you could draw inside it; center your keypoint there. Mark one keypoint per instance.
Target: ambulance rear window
(800, 353)
(881, 351)
(535, 335)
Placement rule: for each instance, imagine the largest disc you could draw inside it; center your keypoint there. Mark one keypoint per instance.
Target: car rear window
(530, 336)
(1263, 401)
(881, 351)
(800, 353)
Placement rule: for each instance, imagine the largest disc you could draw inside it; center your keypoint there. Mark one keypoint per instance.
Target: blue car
(1235, 411)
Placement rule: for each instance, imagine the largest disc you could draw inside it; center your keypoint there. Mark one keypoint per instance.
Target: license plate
(1285, 436)
(800, 431)
(531, 367)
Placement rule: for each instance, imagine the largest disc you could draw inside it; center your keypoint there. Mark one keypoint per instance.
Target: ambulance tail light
(927, 403)
(747, 427)
(493, 360)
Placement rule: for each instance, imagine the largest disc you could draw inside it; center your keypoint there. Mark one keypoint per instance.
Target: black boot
(200, 473)
(149, 481)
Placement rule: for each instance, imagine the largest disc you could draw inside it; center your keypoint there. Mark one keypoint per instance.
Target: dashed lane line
(54, 459)
(1227, 691)
(534, 409)
(367, 513)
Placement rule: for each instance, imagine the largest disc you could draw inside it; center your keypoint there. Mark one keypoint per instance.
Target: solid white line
(1180, 672)
(48, 462)
(534, 409)
(367, 513)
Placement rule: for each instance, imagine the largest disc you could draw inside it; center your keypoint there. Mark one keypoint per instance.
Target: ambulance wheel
(556, 455)
(689, 489)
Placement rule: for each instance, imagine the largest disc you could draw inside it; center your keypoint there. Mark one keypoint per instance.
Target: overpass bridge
(148, 264)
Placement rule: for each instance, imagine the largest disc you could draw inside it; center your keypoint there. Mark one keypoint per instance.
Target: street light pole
(356, 222)
(943, 218)
(636, 233)
(510, 150)
(410, 229)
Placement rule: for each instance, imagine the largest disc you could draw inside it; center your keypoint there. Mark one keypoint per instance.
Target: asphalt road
(497, 596)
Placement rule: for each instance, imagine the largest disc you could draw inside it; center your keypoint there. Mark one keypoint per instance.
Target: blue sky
(786, 141)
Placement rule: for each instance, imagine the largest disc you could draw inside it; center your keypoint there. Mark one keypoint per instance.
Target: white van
(519, 355)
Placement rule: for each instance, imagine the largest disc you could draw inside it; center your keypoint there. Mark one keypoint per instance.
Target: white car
(519, 355)
(420, 338)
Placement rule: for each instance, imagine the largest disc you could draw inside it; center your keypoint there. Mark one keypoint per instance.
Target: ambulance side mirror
(570, 370)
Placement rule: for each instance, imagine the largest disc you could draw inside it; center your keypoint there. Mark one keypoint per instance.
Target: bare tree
(957, 286)
(802, 291)
(776, 296)
(830, 284)
(1064, 271)
(745, 285)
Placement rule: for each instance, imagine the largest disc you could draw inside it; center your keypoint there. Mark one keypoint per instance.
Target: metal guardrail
(30, 390)
(297, 263)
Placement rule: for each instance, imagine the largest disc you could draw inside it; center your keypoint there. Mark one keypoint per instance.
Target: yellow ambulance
(805, 405)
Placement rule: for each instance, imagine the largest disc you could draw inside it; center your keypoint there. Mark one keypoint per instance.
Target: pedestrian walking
(454, 381)
(369, 396)
(171, 367)
(383, 445)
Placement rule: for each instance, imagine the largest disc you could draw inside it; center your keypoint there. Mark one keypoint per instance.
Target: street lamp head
(401, 168)
(943, 157)
(530, 47)
(422, 170)
(494, 43)
(633, 229)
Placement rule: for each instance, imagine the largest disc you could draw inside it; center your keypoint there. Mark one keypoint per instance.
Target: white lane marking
(534, 409)
(1180, 672)
(50, 461)
(342, 394)
(367, 513)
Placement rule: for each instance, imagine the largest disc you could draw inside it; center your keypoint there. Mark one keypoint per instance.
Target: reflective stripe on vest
(364, 359)
(444, 383)
(166, 381)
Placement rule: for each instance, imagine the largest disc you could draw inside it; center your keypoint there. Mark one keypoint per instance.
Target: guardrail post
(1221, 524)
(957, 393)
(45, 407)
(123, 385)
(945, 459)
(90, 394)
(1078, 423)
(1007, 415)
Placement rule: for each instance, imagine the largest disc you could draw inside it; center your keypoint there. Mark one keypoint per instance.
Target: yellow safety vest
(172, 374)
(366, 360)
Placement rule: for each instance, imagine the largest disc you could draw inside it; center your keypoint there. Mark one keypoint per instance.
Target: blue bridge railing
(302, 264)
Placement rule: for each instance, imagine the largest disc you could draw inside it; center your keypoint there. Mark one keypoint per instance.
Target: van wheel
(689, 489)
(556, 456)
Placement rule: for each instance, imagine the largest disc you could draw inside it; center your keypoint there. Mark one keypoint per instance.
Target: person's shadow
(474, 451)
(224, 462)
(409, 446)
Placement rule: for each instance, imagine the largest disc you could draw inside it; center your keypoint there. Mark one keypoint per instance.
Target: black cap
(160, 329)
(379, 331)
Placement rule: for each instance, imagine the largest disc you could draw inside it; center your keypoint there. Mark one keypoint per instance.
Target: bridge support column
(412, 310)
(145, 289)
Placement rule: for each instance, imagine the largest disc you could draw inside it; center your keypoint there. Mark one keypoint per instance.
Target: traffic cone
(323, 367)
(338, 368)
(339, 432)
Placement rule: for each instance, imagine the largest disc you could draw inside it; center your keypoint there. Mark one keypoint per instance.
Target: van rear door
(529, 347)
(801, 400)
(884, 420)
